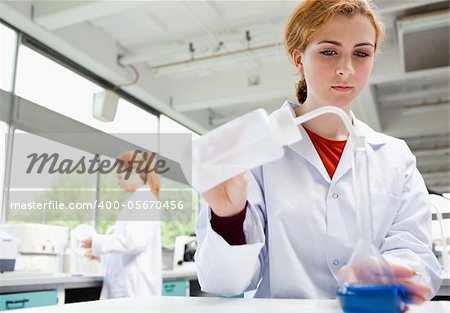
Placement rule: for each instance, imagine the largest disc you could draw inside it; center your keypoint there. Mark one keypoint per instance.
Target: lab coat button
(335, 195)
(336, 262)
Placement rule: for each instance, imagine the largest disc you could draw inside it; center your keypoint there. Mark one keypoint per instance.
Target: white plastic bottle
(244, 143)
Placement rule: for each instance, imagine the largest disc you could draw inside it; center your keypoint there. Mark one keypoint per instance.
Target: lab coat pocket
(385, 206)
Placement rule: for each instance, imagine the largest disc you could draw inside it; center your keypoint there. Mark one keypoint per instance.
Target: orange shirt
(330, 151)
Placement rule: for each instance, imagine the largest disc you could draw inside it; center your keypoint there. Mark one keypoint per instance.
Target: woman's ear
(297, 59)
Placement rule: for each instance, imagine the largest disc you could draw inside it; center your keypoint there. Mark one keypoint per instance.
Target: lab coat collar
(306, 149)
(373, 138)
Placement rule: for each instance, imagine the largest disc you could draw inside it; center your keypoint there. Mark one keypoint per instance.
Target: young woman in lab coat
(132, 255)
(288, 228)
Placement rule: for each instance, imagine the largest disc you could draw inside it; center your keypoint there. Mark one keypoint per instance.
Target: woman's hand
(87, 243)
(91, 256)
(228, 198)
(416, 292)
(367, 272)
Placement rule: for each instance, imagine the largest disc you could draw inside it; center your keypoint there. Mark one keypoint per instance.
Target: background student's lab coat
(301, 226)
(132, 256)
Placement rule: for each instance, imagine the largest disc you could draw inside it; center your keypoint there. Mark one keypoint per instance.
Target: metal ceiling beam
(233, 101)
(158, 51)
(53, 15)
(215, 60)
(436, 176)
(214, 9)
(432, 152)
(207, 29)
(431, 141)
(404, 97)
(425, 109)
(400, 5)
(404, 76)
(84, 56)
(231, 32)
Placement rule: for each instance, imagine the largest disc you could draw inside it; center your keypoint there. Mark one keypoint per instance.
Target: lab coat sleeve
(135, 239)
(408, 241)
(233, 269)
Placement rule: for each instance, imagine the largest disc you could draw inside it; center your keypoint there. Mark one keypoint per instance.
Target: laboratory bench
(30, 289)
(444, 290)
(218, 305)
(19, 289)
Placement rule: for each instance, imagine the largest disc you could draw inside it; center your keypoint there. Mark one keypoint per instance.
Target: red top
(231, 228)
(330, 151)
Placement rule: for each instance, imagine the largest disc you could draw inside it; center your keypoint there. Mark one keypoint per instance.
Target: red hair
(152, 179)
(311, 15)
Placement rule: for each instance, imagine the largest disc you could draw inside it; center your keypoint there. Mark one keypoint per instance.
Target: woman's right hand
(90, 255)
(229, 198)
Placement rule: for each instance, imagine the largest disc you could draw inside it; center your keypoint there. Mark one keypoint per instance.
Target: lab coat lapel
(373, 141)
(306, 149)
(345, 162)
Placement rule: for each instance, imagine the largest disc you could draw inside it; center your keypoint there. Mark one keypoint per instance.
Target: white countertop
(189, 273)
(218, 305)
(10, 279)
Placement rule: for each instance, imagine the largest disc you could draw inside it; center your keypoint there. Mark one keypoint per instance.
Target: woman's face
(338, 61)
(130, 184)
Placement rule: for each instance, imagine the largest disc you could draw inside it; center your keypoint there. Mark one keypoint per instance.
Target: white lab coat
(132, 255)
(301, 226)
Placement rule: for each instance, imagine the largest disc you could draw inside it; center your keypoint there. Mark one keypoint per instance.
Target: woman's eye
(328, 52)
(361, 54)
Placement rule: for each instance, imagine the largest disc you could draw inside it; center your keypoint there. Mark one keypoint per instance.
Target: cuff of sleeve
(231, 228)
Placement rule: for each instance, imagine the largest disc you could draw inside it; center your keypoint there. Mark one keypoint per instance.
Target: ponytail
(152, 178)
(301, 90)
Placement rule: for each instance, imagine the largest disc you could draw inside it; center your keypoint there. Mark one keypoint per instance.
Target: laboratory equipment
(366, 285)
(183, 253)
(251, 140)
(8, 252)
(79, 263)
(442, 205)
(40, 246)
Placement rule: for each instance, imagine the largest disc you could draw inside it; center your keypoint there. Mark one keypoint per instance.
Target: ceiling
(205, 62)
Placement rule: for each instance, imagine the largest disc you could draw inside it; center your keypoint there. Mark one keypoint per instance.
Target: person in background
(287, 229)
(132, 255)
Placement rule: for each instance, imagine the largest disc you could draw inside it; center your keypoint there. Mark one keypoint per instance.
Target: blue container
(372, 299)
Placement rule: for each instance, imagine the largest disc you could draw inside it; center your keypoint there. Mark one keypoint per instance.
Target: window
(51, 85)
(174, 191)
(167, 126)
(59, 89)
(110, 199)
(48, 84)
(8, 40)
(40, 195)
(3, 133)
